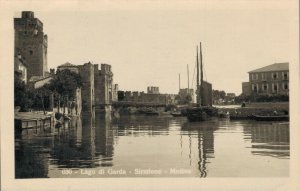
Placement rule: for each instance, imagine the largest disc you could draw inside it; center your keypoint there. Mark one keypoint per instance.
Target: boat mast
(198, 96)
(188, 79)
(201, 73)
(179, 82)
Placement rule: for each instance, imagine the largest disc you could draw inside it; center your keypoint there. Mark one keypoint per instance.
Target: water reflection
(32, 153)
(205, 141)
(100, 142)
(88, 144)
(269, 139)
(104, 140)
(143, 126)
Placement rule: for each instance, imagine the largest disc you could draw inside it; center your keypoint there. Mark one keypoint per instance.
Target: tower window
(30, 52)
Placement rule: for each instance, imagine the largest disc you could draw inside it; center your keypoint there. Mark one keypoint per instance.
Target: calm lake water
(153, 146)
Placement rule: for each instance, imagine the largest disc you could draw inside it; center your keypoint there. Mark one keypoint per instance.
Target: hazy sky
(150, 47)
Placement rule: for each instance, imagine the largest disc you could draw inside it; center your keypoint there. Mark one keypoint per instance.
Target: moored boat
(240, 117)
(223, 115)
(151, 112)
(176, 114)
(180, 113)
(204, 109)
(201, 113)
(271, 118)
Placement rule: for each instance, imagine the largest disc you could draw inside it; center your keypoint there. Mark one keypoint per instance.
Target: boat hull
(201, 113)
(271, 118)
(240, 117)
(176, 114)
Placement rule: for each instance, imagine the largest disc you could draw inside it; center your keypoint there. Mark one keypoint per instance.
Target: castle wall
(143, 97)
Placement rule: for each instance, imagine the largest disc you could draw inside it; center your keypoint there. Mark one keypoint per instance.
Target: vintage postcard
(147, 95)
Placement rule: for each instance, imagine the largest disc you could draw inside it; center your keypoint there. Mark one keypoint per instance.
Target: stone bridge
(122, 104)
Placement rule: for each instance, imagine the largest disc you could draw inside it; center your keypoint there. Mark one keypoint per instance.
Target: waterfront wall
(266, 108)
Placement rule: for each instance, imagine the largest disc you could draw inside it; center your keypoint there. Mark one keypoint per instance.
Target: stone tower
(31, 43)
(86, 73)
(103, 87)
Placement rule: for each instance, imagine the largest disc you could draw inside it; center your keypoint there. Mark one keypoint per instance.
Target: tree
(64, 85)
(22, 94)
(218, 94)
(188, 99)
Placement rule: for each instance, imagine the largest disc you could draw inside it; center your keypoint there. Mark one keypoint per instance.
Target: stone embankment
(267, 109)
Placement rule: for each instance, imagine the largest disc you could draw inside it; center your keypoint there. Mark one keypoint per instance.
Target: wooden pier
(28, 120)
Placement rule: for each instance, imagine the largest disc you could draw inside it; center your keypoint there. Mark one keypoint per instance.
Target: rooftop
(273, 67)
(67, 64)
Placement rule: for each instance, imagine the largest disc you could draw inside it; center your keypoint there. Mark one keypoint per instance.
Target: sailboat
(204, 110)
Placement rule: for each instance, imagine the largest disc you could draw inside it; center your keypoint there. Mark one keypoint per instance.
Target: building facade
(269, 80)
(31, 43)
(20, 68)
(41, 82)
(68, 66)
(184, 93)
(246, 90)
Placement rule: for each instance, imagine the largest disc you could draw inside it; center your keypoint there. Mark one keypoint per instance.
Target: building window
(263, 77)
(254, 88)
(275, 87)
(274, 75)
(285, 75)
(254, 76)
(30, 52)
(285, 86)
(264, 87)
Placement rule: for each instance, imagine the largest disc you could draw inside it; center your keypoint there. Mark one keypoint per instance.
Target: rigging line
(194, 75)
(204, 72)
